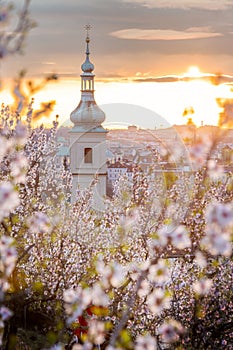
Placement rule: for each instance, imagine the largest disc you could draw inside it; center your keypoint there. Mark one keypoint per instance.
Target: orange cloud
(164, 34)
(213, 5)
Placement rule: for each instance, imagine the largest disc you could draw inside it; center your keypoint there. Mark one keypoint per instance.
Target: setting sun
(193, 72)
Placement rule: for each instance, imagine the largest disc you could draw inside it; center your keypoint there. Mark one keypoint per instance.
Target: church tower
(88, 137)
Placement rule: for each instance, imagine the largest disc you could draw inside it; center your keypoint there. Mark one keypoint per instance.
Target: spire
(88, 28)
(87, 66)
(87, 115)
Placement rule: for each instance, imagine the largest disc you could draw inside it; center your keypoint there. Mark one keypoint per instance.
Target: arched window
(87, 155)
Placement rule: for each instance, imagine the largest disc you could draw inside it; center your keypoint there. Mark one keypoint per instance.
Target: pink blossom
(130, 219)
(146, 342)
(220, 214)
(8, 255)
(18, 167)
(4, 13)
(38, 222)
(3, 51)
(198, 152)
(178, 236)
(216, 242)
(21, 133)
(9, 199)
(1, 330)
(215, 170)
(219, 245)
(170, 330)
(5, 313)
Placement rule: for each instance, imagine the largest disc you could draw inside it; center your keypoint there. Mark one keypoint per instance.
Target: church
(88, 138)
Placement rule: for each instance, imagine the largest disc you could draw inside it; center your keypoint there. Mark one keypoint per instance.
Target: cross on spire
(87, 28)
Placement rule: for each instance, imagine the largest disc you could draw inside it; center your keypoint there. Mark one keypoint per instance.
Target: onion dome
(87, 66)
(87, 115)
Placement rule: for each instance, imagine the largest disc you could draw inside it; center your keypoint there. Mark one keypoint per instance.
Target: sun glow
(168, 100)
(193, 72)
(6, 97)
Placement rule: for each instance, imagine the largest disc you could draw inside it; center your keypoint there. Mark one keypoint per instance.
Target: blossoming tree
(151, 271)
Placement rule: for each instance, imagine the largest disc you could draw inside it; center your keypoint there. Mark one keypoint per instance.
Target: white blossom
(159, 272)
(112, 274)
(217, 242)
(70, 296)
(75, 302)
(180, 238)
(200, 259)
(144, 289)
(57, 347)
(6, 146)
(96, 331)
(85, 346)
(158, 300)
(99, 297)
(163, 234)
(202, 286)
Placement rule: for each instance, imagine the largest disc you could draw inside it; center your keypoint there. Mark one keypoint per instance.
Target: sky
(143, 51)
